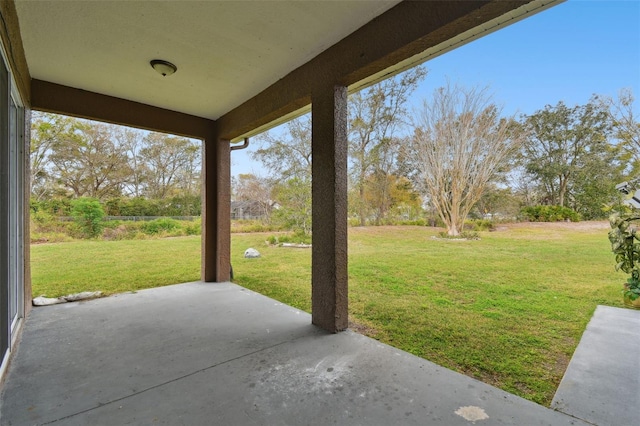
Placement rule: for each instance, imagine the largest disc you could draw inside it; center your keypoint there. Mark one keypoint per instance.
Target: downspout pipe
(236, 148)
(243, 146)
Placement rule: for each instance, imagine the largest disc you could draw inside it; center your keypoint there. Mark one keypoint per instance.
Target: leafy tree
(46, 131)
(184, 205)
(74, 158)
(460, 142)
(626, 127)
(139, 206)
(391, 197)
(524, 186)
(294, 205)
(374, 115)
(496, 202)
(594, 182)
(560, 142)
(87, 162)
(166, 159)
(131, 141)
(287, 156)
(88, 214)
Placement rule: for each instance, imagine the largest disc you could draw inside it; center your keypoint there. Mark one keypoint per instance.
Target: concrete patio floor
(218, 354)
(602, 383)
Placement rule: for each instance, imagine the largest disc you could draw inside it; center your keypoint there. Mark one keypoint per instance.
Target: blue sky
(566, 53)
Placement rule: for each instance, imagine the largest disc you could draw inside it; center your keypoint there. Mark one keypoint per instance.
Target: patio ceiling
(225, 51)
(245, 64)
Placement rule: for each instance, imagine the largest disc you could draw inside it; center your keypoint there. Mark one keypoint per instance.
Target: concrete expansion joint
(575, 417)
(167, 382)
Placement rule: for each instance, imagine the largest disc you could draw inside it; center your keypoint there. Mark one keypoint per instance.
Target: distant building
(249, 210)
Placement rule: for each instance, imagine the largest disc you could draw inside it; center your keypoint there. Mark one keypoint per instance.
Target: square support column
(329, 295)
(216, 210)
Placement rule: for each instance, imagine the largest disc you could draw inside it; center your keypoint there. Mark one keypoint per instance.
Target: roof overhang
(244, 65)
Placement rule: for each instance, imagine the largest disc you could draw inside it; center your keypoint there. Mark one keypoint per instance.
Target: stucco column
(216, 209)
(329, 295)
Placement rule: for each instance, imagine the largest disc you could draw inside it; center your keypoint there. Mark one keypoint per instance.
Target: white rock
(82, 296)
(46, 301)
(295, 245)
(251, 253)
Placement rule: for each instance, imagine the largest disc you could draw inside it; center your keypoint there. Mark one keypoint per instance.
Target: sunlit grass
(113, 266)
(508, 309)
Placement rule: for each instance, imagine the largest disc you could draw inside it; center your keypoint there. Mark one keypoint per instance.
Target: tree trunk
(363, 219)
(562, 190)
(453, 227)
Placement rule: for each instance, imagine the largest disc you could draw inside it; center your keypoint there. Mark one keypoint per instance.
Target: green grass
(508, 309)
(113, 266)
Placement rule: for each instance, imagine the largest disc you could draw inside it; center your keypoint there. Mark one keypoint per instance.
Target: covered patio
(215, 353)
(202, 354)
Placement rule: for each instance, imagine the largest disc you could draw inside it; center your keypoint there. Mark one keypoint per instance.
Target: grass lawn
(113, 266)
(508, 309)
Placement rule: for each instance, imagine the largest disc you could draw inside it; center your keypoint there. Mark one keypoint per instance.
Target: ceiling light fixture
(163, 67)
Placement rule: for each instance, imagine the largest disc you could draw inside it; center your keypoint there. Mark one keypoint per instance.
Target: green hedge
(549, 214)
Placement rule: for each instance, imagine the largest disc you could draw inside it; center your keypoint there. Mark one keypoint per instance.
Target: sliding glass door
(12, 187)
(16, 205)
(5, 322)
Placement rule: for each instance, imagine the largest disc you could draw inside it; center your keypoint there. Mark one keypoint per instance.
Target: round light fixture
(163, 67)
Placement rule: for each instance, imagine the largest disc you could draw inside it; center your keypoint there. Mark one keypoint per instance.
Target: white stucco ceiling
(225, 51)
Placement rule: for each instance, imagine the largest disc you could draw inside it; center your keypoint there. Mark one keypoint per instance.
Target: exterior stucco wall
(12, 42)
(17, 66)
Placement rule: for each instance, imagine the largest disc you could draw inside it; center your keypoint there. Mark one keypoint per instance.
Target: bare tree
(374, 115)
(255, 190)
(287, 154)
(460, 141)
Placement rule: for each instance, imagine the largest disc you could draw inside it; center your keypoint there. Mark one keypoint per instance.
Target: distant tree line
(456, 158)
(130, 172)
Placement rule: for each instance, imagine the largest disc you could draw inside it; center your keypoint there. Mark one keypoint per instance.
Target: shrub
(162, 225)
(464, 235)
(482, 225)
(353, 221)
(249, 225)
(193, 228)
(88, 214)
(115, 233)
(549, 214)
(49, 237)
(415, 222)
(297, 237)
(41, 217)
(138, 206)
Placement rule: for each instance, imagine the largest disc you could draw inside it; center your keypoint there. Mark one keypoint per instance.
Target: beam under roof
(51, 97)
(401, 37)
(390, 43)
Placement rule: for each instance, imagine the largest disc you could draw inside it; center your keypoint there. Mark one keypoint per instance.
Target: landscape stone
(251, 253)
